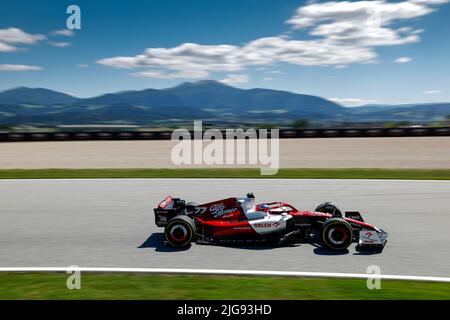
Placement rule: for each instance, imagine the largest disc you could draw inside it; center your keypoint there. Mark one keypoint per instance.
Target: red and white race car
(240, 220)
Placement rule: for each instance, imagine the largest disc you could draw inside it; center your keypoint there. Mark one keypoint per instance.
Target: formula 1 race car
(241, 221)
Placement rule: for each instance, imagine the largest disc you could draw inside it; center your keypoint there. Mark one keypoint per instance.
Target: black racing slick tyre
(180, 231)
(337, 234)
(328, 207)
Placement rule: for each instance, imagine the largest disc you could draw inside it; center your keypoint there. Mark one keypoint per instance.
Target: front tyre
(328, 207)
(337, 234)
(180, 231)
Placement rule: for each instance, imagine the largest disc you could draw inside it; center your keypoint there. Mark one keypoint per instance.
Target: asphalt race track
(109, 223)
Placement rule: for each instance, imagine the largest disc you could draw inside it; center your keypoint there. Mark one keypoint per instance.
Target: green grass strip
(141, 286)
(401, 174)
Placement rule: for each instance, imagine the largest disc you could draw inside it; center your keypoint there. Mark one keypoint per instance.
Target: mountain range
(207, 100)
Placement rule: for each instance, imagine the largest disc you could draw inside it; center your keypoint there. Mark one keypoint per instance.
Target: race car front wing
(371, 241)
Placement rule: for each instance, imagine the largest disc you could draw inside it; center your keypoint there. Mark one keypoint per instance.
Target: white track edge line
(227, 272)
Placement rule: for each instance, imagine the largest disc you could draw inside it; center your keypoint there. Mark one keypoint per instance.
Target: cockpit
(248, 205)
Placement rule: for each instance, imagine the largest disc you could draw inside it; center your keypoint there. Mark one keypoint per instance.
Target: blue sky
(354, 52)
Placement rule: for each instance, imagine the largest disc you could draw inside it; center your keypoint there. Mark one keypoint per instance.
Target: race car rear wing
(167, 209)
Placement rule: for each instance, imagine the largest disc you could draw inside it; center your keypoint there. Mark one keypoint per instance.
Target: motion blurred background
(231, 64)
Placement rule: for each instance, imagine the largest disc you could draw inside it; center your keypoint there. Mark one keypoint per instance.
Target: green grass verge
(141, 286)
(403, 174)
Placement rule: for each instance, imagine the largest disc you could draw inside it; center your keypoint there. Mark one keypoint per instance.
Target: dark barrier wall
(166, 135)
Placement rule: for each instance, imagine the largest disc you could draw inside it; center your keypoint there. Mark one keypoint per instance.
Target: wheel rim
(337, 235)
(178, 233)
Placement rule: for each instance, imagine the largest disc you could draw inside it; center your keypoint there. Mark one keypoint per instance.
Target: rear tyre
(337, 234)
(328, 207)
(180, 231)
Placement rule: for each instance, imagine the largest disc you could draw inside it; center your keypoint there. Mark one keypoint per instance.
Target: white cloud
(352, 102)
(60, 44)
(6, 47)
(430, 1)
(302, 52)
(267, 79)
(63, 32)
(188, 56)
(18, 67)
(10, 37)
(15, 35)
(432, 92)
(194, 74)
(235, 79)
(341, 33)
(201, 60)
(362, 23)
(152, 74)
(82, 65)
(403, 60)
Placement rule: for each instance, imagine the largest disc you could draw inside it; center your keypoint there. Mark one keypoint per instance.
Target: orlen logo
(267, 225)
